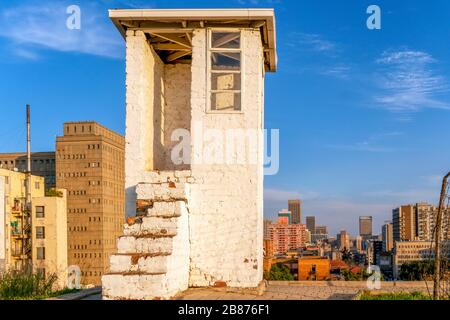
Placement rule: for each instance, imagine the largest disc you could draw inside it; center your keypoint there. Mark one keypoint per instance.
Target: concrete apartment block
(45, 226)
(196, 222)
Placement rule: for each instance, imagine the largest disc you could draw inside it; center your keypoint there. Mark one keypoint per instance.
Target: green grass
(16, 285)
(395, 296)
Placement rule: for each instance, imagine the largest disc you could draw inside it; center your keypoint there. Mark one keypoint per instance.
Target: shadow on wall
(171, 111)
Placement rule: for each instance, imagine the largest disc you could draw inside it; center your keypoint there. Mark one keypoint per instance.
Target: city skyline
(335, 168)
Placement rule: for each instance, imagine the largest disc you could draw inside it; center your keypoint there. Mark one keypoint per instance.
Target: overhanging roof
(184, 21)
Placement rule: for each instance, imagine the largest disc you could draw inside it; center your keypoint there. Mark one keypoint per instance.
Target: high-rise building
(358, 243)
(284, 217)
(426, 216)
(90, 165)
(343, 239)
(311, 224)
(404, 223)
(321, 230)
(365, 227)
(377, 247)
(42, 165)
(387, 233)
(295, 207)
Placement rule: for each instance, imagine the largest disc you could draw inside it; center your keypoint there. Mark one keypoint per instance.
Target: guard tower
(194, 150)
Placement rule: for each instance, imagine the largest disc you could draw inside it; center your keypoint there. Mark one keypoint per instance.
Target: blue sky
(362, 113)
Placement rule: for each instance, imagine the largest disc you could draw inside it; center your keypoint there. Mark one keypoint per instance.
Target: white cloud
(372, 144)
(409, 82)
(32, 27)
(312, 42)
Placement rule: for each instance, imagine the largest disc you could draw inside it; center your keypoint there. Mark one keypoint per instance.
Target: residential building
(295, 207)
(90, 165)
(321, 234)
(49, 223)
(377, 249)
(313, 268)
(284, 217)
(413, 251)
(269, 258)
(204, 72)
(387, 234)
(267, 223)
(286, 237)
(365, 227)
(311, 224)
(426, 216)
(358, 244)
(42, 165)
(404, 223)
(35, 238)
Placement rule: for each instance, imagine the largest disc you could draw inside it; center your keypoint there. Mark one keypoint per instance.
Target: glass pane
(226, 81)
(228, 40)
(226, 61)
(225, 101)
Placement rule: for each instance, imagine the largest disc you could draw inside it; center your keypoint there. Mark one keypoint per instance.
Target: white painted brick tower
(194, 150)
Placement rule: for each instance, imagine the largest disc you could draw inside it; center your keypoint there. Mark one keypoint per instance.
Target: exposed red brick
(220, 284)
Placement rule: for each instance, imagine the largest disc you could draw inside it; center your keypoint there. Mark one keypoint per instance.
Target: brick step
(136, 287)
(169, 191)
(145, 244)
(165, 209)
(141, 263)
(152, 226)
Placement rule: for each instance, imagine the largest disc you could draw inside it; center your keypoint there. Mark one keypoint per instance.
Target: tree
(279, 272)
(347, 256)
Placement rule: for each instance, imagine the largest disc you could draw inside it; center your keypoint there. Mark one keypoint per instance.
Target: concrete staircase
(152, 262)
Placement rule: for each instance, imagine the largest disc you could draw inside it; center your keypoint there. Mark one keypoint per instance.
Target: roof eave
(268, 15)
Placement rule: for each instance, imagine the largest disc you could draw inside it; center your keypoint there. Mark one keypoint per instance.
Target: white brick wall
(226, 218)
(213, 212)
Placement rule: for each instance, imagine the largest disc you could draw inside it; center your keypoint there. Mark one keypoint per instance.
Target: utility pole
(437, 260)
(25, 245)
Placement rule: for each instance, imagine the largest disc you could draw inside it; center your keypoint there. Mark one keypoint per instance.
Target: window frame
(209, 71)
(43, 253)
(42, 234)
(40, 213)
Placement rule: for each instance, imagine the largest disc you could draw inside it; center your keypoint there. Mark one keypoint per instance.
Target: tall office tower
(365, 227)
(311, 224)
(358, 243)
(343, 239)
(387, 234)
(90, 165)
(404, 223)
(42, 165)
(295, 207)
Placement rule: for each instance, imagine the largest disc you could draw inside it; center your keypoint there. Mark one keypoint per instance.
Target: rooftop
(170, 30)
